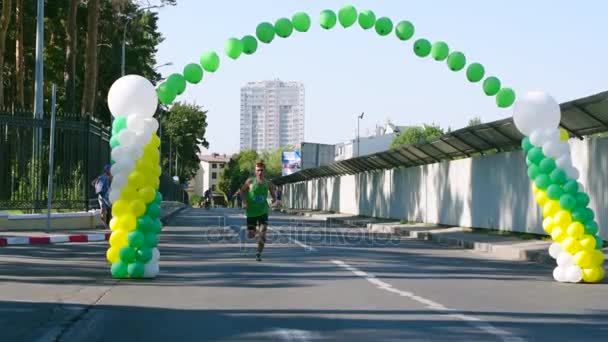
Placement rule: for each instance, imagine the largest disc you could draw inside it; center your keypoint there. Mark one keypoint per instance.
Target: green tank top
(257, 199)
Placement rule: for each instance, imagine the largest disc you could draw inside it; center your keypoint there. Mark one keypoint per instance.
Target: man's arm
(273, 192)
(243, 192)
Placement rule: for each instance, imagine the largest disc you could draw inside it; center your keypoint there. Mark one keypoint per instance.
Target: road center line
(473, 321)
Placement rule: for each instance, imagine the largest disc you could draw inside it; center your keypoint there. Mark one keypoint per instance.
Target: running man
(254, 194)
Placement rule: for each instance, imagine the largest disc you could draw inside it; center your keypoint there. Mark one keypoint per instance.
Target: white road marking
(474, 321)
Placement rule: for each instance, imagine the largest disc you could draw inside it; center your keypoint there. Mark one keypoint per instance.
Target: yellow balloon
(147, 194)
(120, 208)
(112, 254)
(563, 135)
(576, 230)
(156, 171)
(129, 193)
(535, 189)
(136, 179)
(587, 242)
(127, 223)
(571, 245)
(118, 238)
(593, 274)
(584, 259)
(558, 234)
(550, 208)
(113, 223)
(597, 257)
(154, 182)
(138, 207)
(563, 218)
(548, 224)
(541, 198)
(155, 142)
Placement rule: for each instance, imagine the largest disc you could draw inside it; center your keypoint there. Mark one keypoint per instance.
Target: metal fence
(81, 150)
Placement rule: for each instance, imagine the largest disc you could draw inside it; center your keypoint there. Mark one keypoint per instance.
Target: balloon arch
(135, 156)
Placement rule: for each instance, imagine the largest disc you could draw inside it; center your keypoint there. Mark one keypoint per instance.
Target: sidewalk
(498, 246)
(8, 238)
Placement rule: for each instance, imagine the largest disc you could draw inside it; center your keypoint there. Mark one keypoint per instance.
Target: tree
(274, 161)
(70, 57)
(239, 168)
(19, 57)
(5, 20)
(416, 135)
(90, 79)
(474, 121)
(183, 127)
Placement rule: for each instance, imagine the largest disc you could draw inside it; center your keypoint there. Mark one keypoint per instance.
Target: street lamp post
(124, 38)
(359, 117)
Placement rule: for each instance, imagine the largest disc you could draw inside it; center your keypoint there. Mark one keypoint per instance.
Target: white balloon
(119, 180)
(119, 153)
(537, 137)
(151, 269)
(555, 249)
(114, 195)
(559, 274)
(572, 172)
(136, 123)
(142, 139)
(581, 187)
(155, 254)
(126, 137)
(574, 274)
(152, 123)
(551, 149)
(123, 166)
(132, 95)
(536, 110)
(552, 134)
(135, 152)
(564, 259)
(563, 161)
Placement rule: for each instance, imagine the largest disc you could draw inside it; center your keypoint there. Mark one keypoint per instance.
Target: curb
(165, 218)
(43, 240)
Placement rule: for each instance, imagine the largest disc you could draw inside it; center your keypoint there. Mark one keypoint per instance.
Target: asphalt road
(315, 283)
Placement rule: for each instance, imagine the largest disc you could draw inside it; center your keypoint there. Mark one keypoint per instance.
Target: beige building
(208, 175)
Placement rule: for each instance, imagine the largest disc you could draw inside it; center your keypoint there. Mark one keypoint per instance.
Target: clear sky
(557, 46)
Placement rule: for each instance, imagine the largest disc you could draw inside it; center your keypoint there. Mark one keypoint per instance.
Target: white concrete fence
(485, 192)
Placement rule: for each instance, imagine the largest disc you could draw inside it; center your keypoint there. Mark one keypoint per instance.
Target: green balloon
(591, 227)
(536, 155)
(157, 226)
(283, 27)
(135, 238)
(233, 48)
(150, 240)
(404, 30)
(599, 242)
(440, 51)
(301, 21)
(533, 171)
(589, 214)
(119, 124)
(367, 19)
(328, 19)
(582, 199)
(542, 181)
(127, 254)
(144, 255)
(558, 176)
(528, 161)
(456, 61)
(177, 82)
(579, 214)
(491, 86)
(250, 45)
(554, 192)
(193, 73)
(526, 145)
(475, 72)
(547, 165)
(119, 270)
(153, 210)
(210, 61)
(422, 47)
(384, 26)
(347, 16)
(265, 32)
(571, 186)
(567, 202)
(158, 198)
(114, 141)
(136, 269)
(145, 224)
(166, 94)
(505, 97)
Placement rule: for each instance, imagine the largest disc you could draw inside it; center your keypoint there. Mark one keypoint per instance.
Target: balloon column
(567, 217)
(135, 168)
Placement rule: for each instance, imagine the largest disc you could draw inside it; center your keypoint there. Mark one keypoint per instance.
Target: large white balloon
(536, 110)
(574, 274)
(555, 249)
(151, 269)
(132, 95)
(559, 274)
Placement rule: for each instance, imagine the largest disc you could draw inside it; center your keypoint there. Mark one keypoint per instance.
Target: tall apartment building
(272, 115)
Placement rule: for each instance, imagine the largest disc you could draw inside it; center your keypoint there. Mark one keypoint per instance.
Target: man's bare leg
(261, 241)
